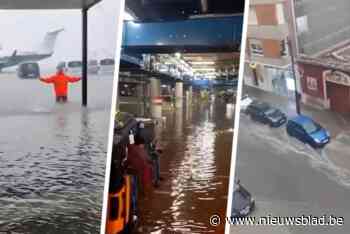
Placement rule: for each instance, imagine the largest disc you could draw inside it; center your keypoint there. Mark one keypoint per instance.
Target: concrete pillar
(178, 123)
(188, 98)
(156, 102)
(179, 94)
(190, 90)
(140, 98)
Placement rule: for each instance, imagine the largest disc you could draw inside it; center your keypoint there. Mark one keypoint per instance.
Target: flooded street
(52, 156)
(195, 165)
(288, 178)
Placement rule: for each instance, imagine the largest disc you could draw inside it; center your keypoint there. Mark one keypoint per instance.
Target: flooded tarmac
(196, 143)
(52, 156)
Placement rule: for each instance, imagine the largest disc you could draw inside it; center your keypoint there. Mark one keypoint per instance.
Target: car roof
(301, 119)
(260, 105)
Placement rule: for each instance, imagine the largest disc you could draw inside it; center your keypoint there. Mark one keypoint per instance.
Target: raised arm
(73, 79)
(49, 79)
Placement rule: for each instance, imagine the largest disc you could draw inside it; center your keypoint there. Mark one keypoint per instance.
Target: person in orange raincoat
(60, 82)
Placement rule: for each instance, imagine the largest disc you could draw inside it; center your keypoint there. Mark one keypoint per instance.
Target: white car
(245, 102)
(74, 68)
(106, 66)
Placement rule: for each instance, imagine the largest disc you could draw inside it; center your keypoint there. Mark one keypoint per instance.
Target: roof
(259, 104)
(336, 57)
(46, 5)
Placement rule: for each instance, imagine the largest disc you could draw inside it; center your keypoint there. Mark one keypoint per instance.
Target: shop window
(284, 48)
(252, 19)
(280, 13)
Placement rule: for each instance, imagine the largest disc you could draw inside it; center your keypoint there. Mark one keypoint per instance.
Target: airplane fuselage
(10, 61)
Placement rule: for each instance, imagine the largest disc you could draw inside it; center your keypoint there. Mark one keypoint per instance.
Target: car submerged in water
(308, 131)
(28, 70)
(243, 203)
(264, 113)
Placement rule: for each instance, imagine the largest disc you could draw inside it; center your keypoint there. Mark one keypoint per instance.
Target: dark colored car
(308, 131)
(243, 203)
(264, 113)
(28, 70)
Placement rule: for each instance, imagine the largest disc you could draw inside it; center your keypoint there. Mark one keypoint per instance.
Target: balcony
(278, 32)
(279, 62)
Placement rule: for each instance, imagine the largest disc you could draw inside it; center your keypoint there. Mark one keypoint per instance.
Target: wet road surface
(288, 178)
(195, 167)
(52, 157)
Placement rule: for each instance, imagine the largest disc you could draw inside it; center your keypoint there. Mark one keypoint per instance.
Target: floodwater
(196, 143)
(52, 156)
(288, 179)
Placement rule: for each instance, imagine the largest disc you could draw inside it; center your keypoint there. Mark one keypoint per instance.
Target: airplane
(45, 50)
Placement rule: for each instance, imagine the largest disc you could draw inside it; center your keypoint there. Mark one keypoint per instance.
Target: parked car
(264, 113)
(74, 68)
(308, 131)
(28, 70)
(106, 65)
(245, 102)
(243, 203)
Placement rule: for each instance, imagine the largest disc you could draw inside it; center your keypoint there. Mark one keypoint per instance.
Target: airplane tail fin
(48, 45)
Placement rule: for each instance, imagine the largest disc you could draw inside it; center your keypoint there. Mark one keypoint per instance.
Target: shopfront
(325, 86)
(269, 78)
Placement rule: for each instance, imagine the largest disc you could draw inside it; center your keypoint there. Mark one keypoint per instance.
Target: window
(252, 19)
(280, 13)
(311, 83)
(302, 24)
(284, 48)
(73, 64)
(256, 47)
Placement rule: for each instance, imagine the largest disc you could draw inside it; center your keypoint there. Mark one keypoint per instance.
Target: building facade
(325, 79)
(268, 63)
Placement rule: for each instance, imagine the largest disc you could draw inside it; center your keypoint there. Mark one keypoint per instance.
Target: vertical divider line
(120, 19)
(237, 117)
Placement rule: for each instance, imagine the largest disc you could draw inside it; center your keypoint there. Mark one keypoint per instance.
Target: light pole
(297, 95)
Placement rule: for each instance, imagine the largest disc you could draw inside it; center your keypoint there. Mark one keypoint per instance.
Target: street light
(297, 96)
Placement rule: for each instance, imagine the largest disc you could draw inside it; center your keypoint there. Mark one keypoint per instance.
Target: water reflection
(230, 109)
(178, 123)
(195, 167)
